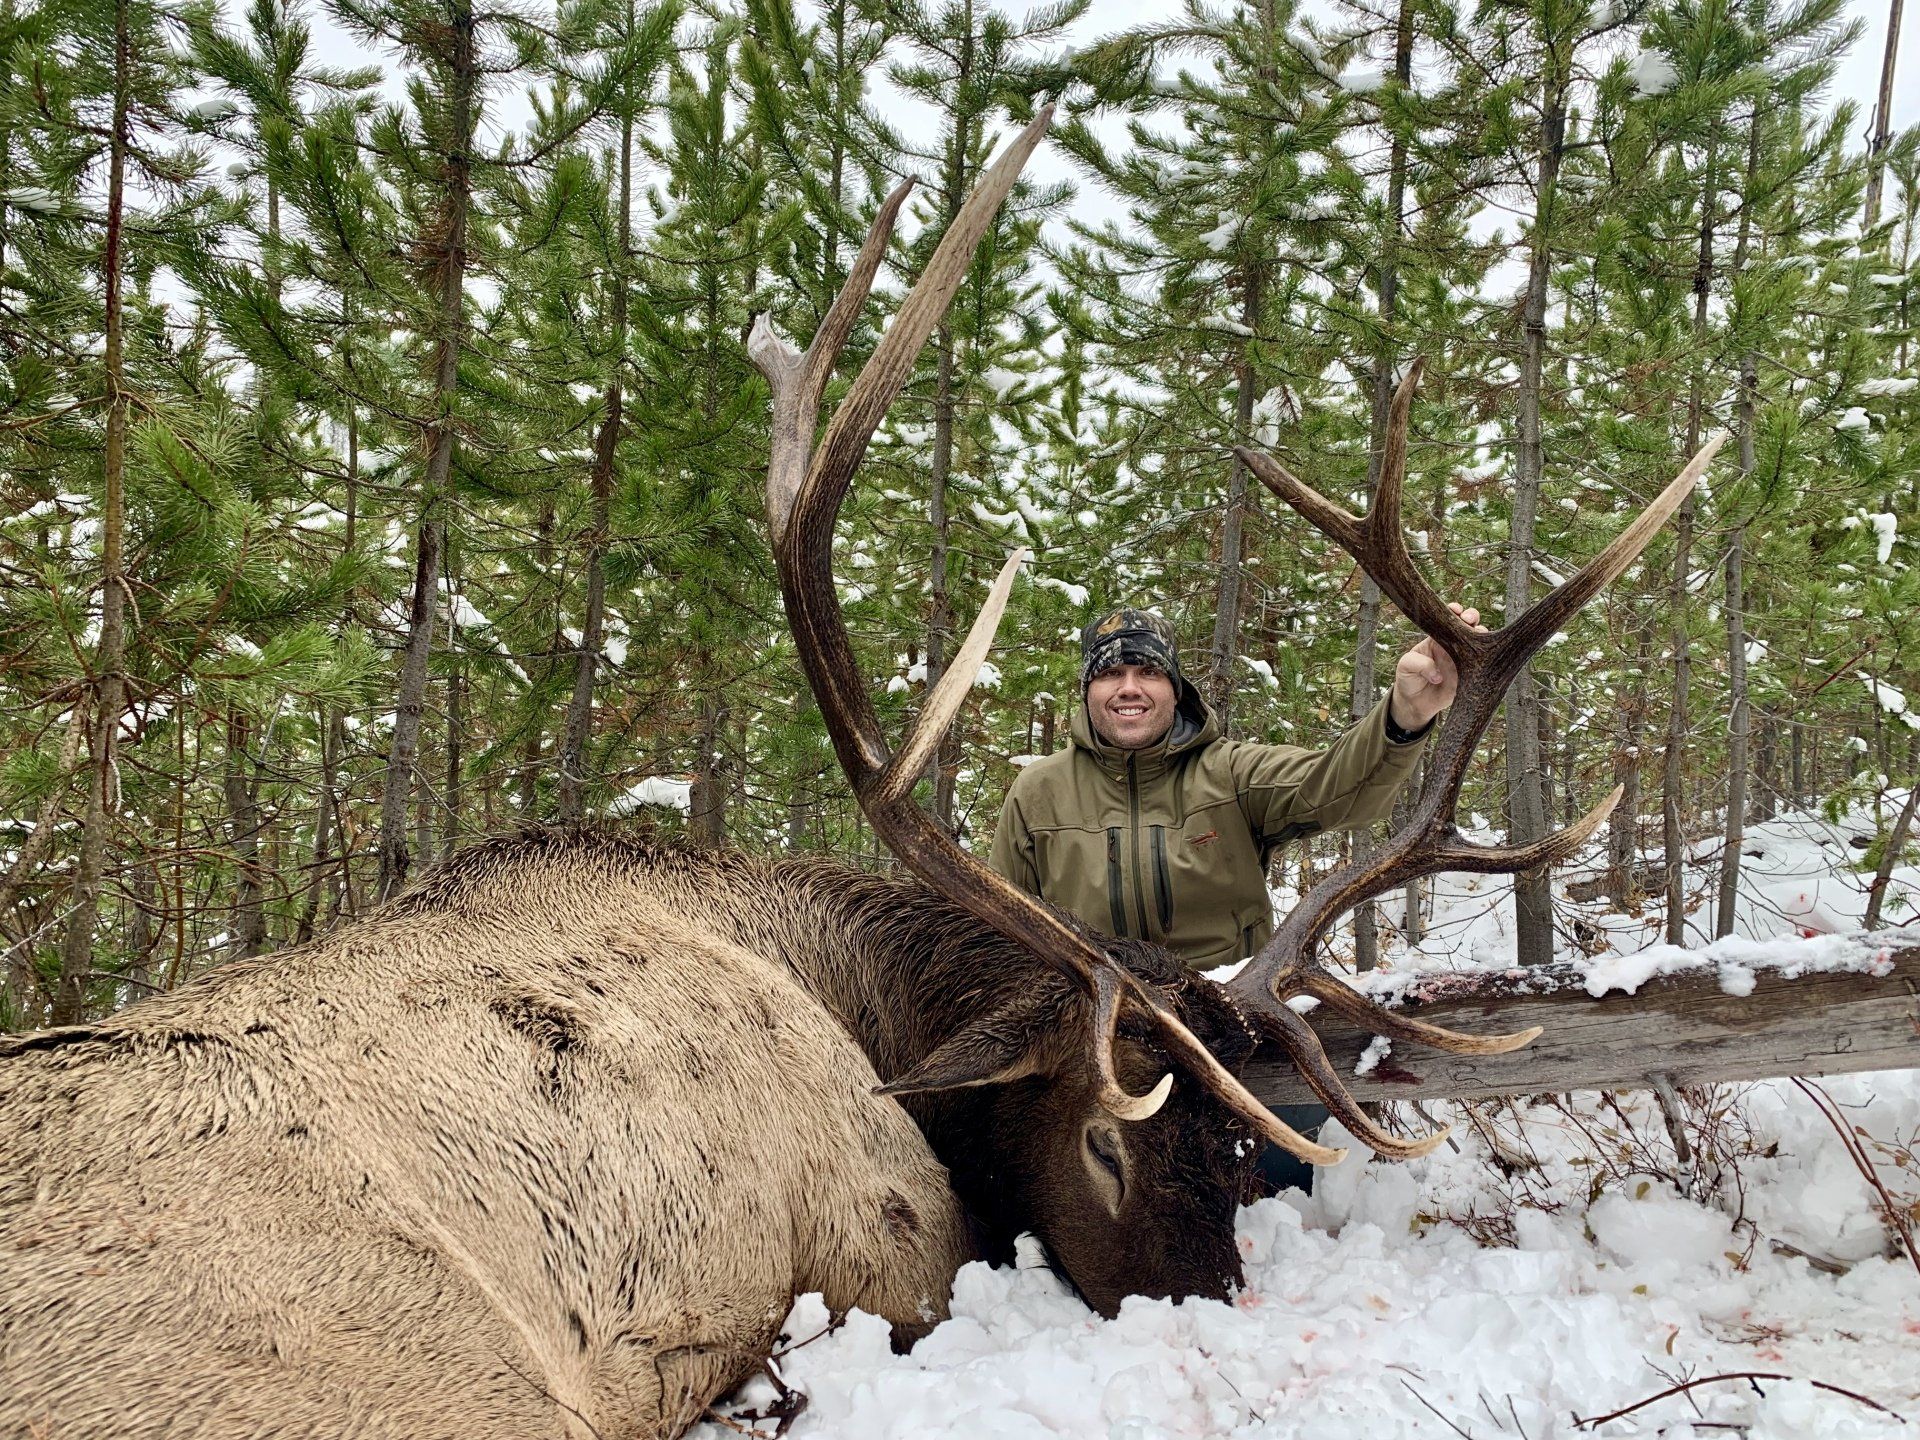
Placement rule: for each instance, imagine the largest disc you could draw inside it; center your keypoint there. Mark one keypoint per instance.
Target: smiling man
(1151, 825)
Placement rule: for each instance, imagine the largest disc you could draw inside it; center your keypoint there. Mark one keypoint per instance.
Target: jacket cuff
(1395, 734)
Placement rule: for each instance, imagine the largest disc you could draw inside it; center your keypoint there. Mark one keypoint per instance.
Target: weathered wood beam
(1823, 1022)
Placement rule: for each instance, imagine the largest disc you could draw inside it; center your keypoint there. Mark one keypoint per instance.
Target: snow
(655, 790)
(1854, 419)
(1652, 73)
(1886, 529)
(1552, 1260)
(1891, 386)
(1076, 594)
(1362, 81)
(210, 111)
(1893, 701)
(32, 197)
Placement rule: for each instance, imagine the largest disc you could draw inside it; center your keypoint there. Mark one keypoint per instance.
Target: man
(1153, 826)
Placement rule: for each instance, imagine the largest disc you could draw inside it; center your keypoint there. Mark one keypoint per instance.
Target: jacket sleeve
(1012, 851)
(1286, 791)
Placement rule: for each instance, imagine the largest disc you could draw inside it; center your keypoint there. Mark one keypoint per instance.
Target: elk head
(1130, 1194)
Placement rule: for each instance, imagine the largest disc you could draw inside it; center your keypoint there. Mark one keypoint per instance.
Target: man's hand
(1425, 678)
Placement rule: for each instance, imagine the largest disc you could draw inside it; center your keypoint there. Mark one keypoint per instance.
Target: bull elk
(546, 1146)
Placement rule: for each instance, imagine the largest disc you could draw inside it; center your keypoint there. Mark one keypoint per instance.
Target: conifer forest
(381, 465)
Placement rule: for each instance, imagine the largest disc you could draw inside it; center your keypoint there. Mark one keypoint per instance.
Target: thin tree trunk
(1883, 116)
(535, 737)
(451, 227)
(243, 828)
(109, 657)
(454, 797)
(954, 183)
(1766, 769)
(1366, 938)
(322, 833)
(1623, 826)
(140, 933)
(707, 805)
(1672, 779)
(579, 722)
(1223, 654)
(1736, 821)
(1890, 855)
(1526, 805)
(1735, 597)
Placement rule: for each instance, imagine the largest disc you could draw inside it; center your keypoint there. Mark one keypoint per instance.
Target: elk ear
(1007, 1044)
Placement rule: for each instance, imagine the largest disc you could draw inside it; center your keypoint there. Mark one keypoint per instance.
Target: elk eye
(1109, 1168)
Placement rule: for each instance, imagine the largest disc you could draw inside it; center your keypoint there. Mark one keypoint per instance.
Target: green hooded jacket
(1170, 843)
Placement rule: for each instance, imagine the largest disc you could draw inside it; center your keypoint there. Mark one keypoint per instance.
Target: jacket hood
(1194, 727)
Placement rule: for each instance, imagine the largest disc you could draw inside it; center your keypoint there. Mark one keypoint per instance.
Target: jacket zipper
(1115, 897)
(1139, 881)
(1162, 882)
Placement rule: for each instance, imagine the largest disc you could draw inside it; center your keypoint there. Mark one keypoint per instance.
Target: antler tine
(1226, 1086)
(1547, 615)
(1114, 1098)
(854, 422)
(1377, 540)
(1514, 859)
(910, 760)
(1309, 1057)
(798, 380)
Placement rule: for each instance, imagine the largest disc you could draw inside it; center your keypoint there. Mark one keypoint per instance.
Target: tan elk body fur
(529, 1153)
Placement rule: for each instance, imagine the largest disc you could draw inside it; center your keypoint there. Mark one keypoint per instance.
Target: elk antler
(1429, 841)
(805, 487)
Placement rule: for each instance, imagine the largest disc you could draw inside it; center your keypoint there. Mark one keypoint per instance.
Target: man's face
(1131, 705)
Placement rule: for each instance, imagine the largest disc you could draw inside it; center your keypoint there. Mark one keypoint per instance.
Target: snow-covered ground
(1552, 1263)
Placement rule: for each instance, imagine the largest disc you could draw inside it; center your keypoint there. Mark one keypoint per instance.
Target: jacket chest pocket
(1162, 876)
(1116, 884)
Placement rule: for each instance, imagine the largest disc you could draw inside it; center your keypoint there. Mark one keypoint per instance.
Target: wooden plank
(1825, 1022)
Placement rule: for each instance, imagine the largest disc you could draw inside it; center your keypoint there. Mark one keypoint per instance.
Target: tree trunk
(1623, 826)
(323, 816)
(579, 722)
(1526, 805)
(140, 934)
(453, 797)
(707, 805)
(1736, 821)
(1735, 596)
(1766, 769)
(109, 680)
(535, 737)
(243, 829)
(1890, 855)
(955, 181)
(1223, 655)
(1883, 116)
(1366, 938)
(451, 228)
(940, 769)
(1672, 778)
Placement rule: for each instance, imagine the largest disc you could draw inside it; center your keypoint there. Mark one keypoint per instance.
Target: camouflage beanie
(1128, 637)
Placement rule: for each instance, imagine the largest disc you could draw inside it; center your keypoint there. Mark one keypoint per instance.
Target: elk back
(552, 1166)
